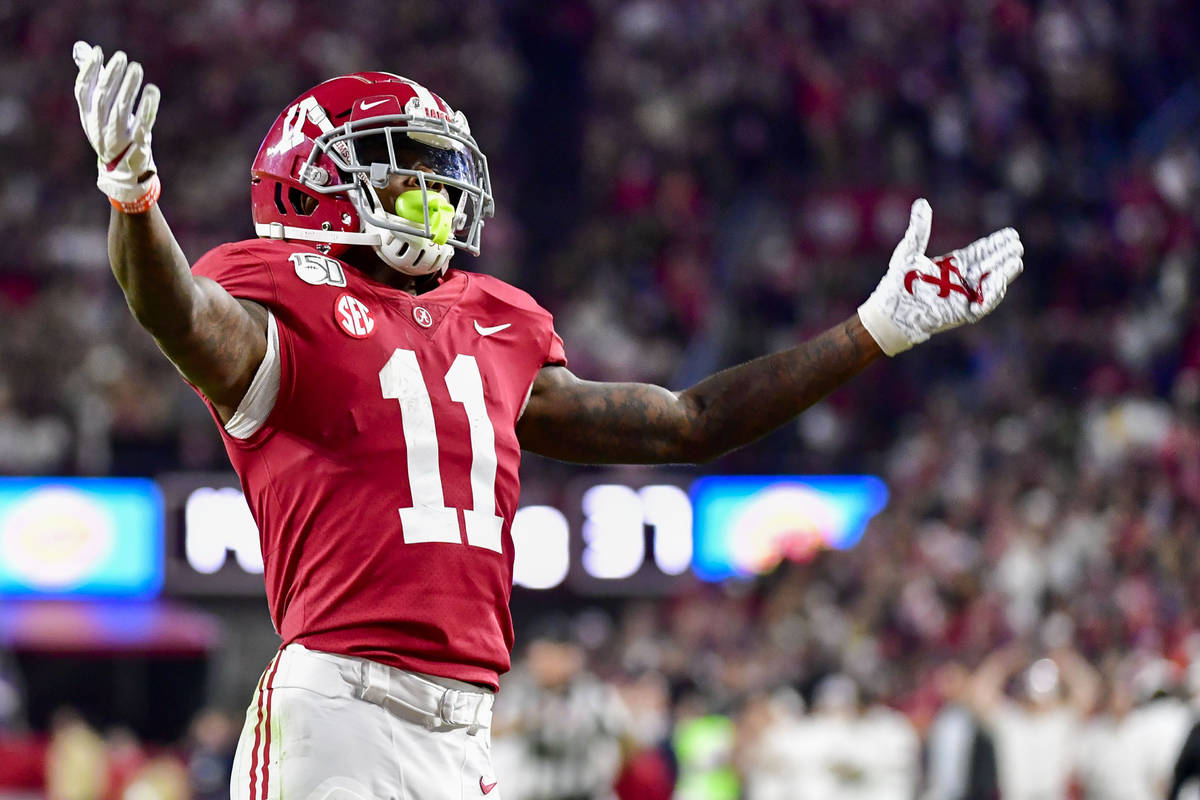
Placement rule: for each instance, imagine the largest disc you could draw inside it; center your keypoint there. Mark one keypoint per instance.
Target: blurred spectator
(720, 205)
(76, 762)
(861, 750)
(1184, 776)
(1160, 720)
(11, 695)
(737, 172)
(30, 444)
(649, 769)
(775, 746)
(1185, 781)
(125, 759)
(961, 756)
(845, 750)
(1036, 735)
(704, 742)
(212, 739)
(1127, 750)
(561, 734)
(162, 777)
(1108, 752)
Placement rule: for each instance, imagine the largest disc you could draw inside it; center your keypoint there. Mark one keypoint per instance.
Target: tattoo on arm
(576, 420)
(152, 270)
(215, 340)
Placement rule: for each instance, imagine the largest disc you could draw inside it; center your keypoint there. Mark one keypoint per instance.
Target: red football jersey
(384, 481)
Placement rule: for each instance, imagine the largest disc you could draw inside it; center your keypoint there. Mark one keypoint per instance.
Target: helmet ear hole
(303, 203)
(279, 198)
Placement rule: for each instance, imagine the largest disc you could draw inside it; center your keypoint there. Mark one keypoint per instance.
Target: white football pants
(331, 727)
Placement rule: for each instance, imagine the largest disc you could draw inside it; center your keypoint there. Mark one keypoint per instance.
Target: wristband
(143, 203)
(883, 329)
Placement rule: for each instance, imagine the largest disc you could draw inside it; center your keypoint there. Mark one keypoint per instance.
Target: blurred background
(984, 582)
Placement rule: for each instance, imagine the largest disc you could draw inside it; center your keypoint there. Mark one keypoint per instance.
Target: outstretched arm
(1081, 680)
(577, 420)
(601, 423)
(215, 340)
(985, 690)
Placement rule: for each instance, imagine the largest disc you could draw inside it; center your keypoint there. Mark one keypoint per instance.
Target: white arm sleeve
(256, 406)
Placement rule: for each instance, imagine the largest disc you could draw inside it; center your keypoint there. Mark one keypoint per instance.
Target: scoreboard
(80, 537)
(616, 533)
(603, 536)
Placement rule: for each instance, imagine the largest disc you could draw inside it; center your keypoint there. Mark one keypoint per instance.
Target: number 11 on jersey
(428, 519)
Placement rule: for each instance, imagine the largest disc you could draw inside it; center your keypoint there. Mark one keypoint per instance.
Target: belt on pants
(406, 693)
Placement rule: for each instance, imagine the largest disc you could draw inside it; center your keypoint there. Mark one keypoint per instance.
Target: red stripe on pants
(258, 731)
(267, 746)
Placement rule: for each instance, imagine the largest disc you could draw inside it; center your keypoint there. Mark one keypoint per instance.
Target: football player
(375, 401)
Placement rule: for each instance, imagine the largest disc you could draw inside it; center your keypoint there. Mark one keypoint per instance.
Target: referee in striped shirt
(563, 730)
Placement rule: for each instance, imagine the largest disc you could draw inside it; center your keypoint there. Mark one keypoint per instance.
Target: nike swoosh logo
(489, 331)
(365, 106)
(486, 788)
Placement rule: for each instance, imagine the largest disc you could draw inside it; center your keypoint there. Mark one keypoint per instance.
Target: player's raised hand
(920, 296)
(118, 131)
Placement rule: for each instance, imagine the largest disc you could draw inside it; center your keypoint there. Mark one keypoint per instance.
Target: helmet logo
(365, 106)
(354, 317)
(424, 106)
(293, 125)
(318, 270)
(422, 316)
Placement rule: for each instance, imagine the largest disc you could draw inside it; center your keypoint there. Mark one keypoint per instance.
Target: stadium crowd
(686, 185)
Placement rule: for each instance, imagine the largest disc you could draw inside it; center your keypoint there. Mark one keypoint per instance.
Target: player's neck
(371, 266)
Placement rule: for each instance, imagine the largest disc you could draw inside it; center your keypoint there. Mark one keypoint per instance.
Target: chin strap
(412, 255)
(277, 230)
(409, 253)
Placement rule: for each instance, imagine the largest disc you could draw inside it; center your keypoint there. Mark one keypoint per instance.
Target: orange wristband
(143, 203)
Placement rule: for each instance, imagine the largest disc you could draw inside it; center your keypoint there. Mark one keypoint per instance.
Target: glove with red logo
(919, 296)
(119, 133)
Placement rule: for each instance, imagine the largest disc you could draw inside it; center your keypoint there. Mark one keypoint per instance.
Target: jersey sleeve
(247, 275)
(548, 341)
(556, 355)
(240, 272)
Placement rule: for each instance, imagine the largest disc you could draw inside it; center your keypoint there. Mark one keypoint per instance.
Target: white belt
(406, 693)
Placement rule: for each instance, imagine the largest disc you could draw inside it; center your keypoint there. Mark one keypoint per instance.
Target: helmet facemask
(369, 152)
(414, 232)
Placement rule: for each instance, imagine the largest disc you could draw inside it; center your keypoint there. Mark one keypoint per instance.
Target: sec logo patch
(353, 317)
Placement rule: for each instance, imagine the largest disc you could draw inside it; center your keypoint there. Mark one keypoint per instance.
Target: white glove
(919, 296)
(119, 134)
